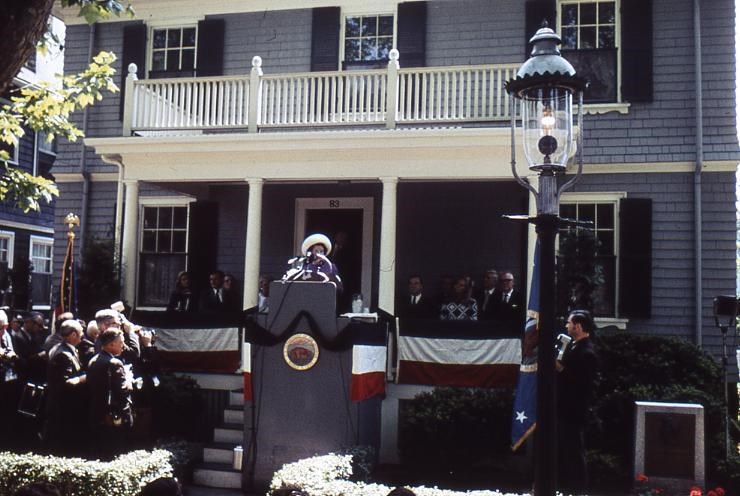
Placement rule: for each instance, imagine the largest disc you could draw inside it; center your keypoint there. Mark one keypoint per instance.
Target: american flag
(524, 419)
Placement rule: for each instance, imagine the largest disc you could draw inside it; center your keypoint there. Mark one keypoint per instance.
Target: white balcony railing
(389, 97)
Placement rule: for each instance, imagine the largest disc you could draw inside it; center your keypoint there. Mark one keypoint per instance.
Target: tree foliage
(48, 109)
(44, 108)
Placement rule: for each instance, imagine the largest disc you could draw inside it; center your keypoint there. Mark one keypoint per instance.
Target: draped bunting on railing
(458, 353)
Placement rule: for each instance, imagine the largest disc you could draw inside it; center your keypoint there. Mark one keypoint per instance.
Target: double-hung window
(41, 256)
(590, 33)
(601, 212)
(7, 246)
(368, 39)
(173, 50)
(163, 251)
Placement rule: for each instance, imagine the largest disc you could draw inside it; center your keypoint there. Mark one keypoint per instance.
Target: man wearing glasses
(509, 301)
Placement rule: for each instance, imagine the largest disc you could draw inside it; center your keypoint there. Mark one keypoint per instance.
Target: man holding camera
(576, 382)
(110, 384)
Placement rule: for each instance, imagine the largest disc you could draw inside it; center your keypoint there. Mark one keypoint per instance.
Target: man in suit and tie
(216, 298)
(65, 402)
(416, 305)
(31, 356)
(485, 297)
(509, 301)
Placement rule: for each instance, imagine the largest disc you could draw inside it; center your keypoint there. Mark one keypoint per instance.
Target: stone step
(236, 397)
(234, 415)
(229, 433)
(220, 475)
(219, 453)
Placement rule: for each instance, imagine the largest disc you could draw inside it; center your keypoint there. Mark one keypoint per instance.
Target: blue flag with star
(523, 418)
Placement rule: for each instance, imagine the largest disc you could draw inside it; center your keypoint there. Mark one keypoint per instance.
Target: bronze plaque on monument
(669, 444)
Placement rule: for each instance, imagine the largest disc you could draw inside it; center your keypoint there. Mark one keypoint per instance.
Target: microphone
(564, 340)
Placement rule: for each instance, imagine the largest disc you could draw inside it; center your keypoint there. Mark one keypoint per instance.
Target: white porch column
(254, 241)
(128, 250)
(387, 280)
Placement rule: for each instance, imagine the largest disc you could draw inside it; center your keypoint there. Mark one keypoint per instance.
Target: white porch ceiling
(428, 154)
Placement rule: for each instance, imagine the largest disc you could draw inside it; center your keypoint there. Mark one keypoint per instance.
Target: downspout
(83, 155)
(116, 160)
(698, 296)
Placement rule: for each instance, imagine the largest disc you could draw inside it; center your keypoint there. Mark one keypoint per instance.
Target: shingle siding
(673, 246)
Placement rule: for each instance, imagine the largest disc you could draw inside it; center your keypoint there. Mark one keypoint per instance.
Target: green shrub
(124, 476)
(452, 428)
(651, 368)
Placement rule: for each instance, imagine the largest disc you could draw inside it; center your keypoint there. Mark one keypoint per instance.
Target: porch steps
(220, 475)
(217, 469)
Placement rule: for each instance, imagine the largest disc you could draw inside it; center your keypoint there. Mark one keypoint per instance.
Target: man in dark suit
(509, 302)
(485, 297)
(110, 387)
(216, 298)
(576, 380)
(65, 398)
(415, 304)
(31, 357)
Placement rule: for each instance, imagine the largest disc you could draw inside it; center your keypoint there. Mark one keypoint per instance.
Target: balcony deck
(383, 98)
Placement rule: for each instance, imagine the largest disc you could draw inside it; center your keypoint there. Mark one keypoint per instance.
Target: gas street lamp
(545, 86)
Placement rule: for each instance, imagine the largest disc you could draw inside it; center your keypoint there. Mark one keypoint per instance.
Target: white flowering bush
(123, 476)
(328, 475)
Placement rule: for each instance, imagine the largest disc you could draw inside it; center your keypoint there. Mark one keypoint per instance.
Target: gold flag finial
(71, 220)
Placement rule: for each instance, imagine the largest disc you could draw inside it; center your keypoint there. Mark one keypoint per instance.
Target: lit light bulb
(548, 120)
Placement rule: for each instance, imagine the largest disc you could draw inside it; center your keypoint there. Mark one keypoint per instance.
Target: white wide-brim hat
(316, 239)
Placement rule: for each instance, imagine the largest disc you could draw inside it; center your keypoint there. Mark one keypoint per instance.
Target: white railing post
(392, 89)
(129, 100)
(254, 94)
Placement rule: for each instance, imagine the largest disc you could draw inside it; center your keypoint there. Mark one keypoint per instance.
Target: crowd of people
(74, 389)
(221, 295)
(458, 298)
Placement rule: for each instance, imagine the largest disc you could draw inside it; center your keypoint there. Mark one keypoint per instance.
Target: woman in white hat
(313, 264)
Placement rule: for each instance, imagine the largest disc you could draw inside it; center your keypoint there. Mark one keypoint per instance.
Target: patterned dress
(465, 310)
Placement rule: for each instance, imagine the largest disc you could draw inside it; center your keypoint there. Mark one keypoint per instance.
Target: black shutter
(637, 50)
(325, 39)
(635, 256)
(202, 236)
(210, 47)
(134, 50)
(536, 11)
(412, 34)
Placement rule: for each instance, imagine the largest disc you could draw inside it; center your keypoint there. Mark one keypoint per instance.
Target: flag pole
(68, 291)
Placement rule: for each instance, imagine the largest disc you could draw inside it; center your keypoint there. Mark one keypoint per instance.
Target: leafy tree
(47, 109)
(24, 24)
(44, 108)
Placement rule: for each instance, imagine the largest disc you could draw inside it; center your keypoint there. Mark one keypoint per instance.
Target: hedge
(123, 476)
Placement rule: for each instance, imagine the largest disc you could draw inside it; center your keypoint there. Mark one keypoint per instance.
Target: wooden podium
(301, 366)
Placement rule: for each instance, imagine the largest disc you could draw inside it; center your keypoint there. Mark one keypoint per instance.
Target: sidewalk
(212, 491)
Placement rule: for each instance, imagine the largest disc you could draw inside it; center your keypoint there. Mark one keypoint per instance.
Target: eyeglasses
(507, 280)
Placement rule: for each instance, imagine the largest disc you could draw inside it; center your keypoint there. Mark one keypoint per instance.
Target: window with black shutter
(609, 43)
(635, 249)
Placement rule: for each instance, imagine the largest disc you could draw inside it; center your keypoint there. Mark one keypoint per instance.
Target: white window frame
(377, 8)
(41, 240)
(10, 236)
(173, 24)
(600, 108)
(159, 201)
(610, 198)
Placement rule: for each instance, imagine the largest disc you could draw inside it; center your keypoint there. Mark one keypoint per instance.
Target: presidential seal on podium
(300, 351)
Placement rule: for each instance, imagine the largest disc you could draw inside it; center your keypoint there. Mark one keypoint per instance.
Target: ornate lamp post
(725, 317)
(545, 85)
